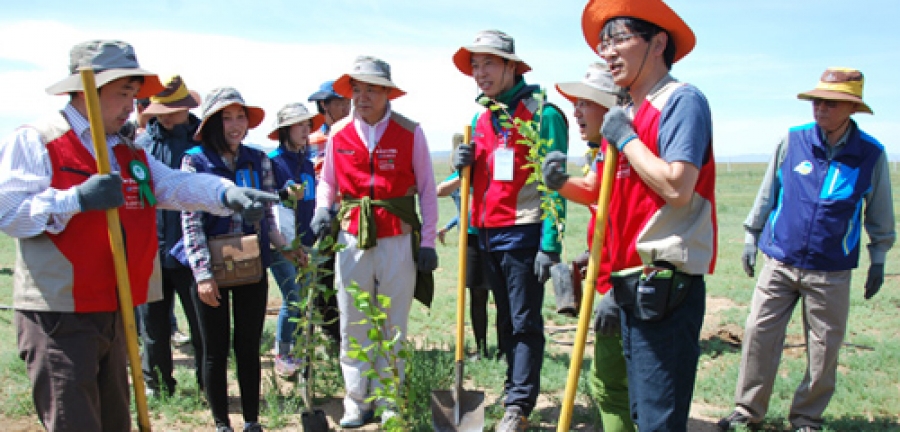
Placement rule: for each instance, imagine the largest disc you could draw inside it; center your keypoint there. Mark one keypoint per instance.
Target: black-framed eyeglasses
(614, 41)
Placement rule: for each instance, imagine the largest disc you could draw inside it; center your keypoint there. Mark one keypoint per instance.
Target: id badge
(503, 164)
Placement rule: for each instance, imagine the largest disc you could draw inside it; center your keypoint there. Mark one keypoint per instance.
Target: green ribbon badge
(141, 175)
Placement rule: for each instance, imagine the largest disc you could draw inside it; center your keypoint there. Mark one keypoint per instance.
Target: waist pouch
(653, 293)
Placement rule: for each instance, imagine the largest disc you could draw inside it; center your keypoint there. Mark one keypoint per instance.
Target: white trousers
(386, 269)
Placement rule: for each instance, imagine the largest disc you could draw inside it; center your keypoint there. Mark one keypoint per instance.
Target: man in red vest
(662, 225)
(378, 161)
(70, 332)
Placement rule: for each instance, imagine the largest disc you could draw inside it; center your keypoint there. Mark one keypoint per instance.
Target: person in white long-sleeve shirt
(53, 202)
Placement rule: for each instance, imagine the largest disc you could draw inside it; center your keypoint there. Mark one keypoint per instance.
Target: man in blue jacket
(826, 181)
(170, 131)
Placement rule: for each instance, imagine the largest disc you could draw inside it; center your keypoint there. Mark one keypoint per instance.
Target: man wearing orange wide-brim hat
(663, 204)
(823, 172)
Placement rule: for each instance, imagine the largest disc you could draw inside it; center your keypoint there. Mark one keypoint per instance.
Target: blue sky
(751, 59)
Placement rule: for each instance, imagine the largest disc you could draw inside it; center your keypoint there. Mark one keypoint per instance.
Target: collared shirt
(29, 206)
(326, 191)
(878, 217)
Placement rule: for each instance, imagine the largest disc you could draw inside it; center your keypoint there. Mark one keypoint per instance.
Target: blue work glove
(321, 222)
(463, 156)
(428, 259)
(607, 322)
(617, 128)
(542, 263)
(874, 280)
(100, 192)
(554, 170)
(748, 258)
(250, 202)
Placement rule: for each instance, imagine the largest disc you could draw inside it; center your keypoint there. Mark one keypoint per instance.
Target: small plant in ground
(387, 343)
(538, 147)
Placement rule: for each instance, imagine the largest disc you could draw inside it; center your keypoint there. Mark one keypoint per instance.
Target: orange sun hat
(598, 12)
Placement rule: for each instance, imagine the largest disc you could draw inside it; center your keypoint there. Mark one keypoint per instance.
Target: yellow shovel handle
(464, 186)
(123, 285)
(587, 300)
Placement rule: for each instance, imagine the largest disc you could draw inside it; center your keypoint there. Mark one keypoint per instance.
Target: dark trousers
(327, 305)
(77, 366)
(246, 305)
(661, 358)
(519, 298)
(156, 333)
(479, 293)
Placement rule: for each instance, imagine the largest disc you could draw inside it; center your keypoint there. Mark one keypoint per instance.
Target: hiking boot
(253, 427)
(223, 428)
(513, 421)
(353, 421)
(286, 365)
(734, 419)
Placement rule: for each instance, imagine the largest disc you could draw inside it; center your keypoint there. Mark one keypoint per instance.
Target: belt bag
(235, 259)
(653, 294)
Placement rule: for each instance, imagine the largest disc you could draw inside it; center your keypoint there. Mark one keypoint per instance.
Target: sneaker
(386, 415)
(351, 421)
(736, 418)
(253, 427)
(179, 338)
(513, 421)
(808, 429)
(223, 428)
(285, 365)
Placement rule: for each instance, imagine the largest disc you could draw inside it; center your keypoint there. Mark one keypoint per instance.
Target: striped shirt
(29, 206)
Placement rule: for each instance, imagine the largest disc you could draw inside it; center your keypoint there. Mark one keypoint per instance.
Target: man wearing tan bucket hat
(378, 161)
(662, 208)
(593, 96)
(833, 173)
(70, 333)
(520, 246)
(169, 133)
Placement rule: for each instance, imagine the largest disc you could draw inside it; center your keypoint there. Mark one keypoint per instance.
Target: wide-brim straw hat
(596, 86)
(370, 70)
(110, 60)
(840, 84)
(222, 97)
(489, 42)
(175, 97)
(598, 12)
(292, 114)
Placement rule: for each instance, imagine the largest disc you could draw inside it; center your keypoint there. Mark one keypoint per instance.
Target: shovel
(590, 289)
(123, 285)
(458, 409)
(312, 419)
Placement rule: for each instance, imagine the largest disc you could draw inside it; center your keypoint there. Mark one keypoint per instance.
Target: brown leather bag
(235, 259)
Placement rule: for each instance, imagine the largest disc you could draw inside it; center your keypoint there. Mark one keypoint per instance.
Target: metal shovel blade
(314, 421)
(467, 405)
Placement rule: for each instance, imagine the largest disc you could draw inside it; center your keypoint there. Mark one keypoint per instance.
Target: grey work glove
(542, 263)
(100, 192)
(250, 202)
(874, 280)
(748, 258)
(554, 170)
(428, 259)
(617, 128)
(321, 222)
(607, 321)
(463, 156)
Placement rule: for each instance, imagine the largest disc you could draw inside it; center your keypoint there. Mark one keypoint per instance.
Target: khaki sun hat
(111, 60)
(839, 84)
(174, 97)
(368, 70)
(292, 114)
(598, 12)
(489, 42)
(222, 97)
(596, 86)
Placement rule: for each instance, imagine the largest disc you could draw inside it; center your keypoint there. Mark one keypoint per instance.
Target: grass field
(867, 396)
